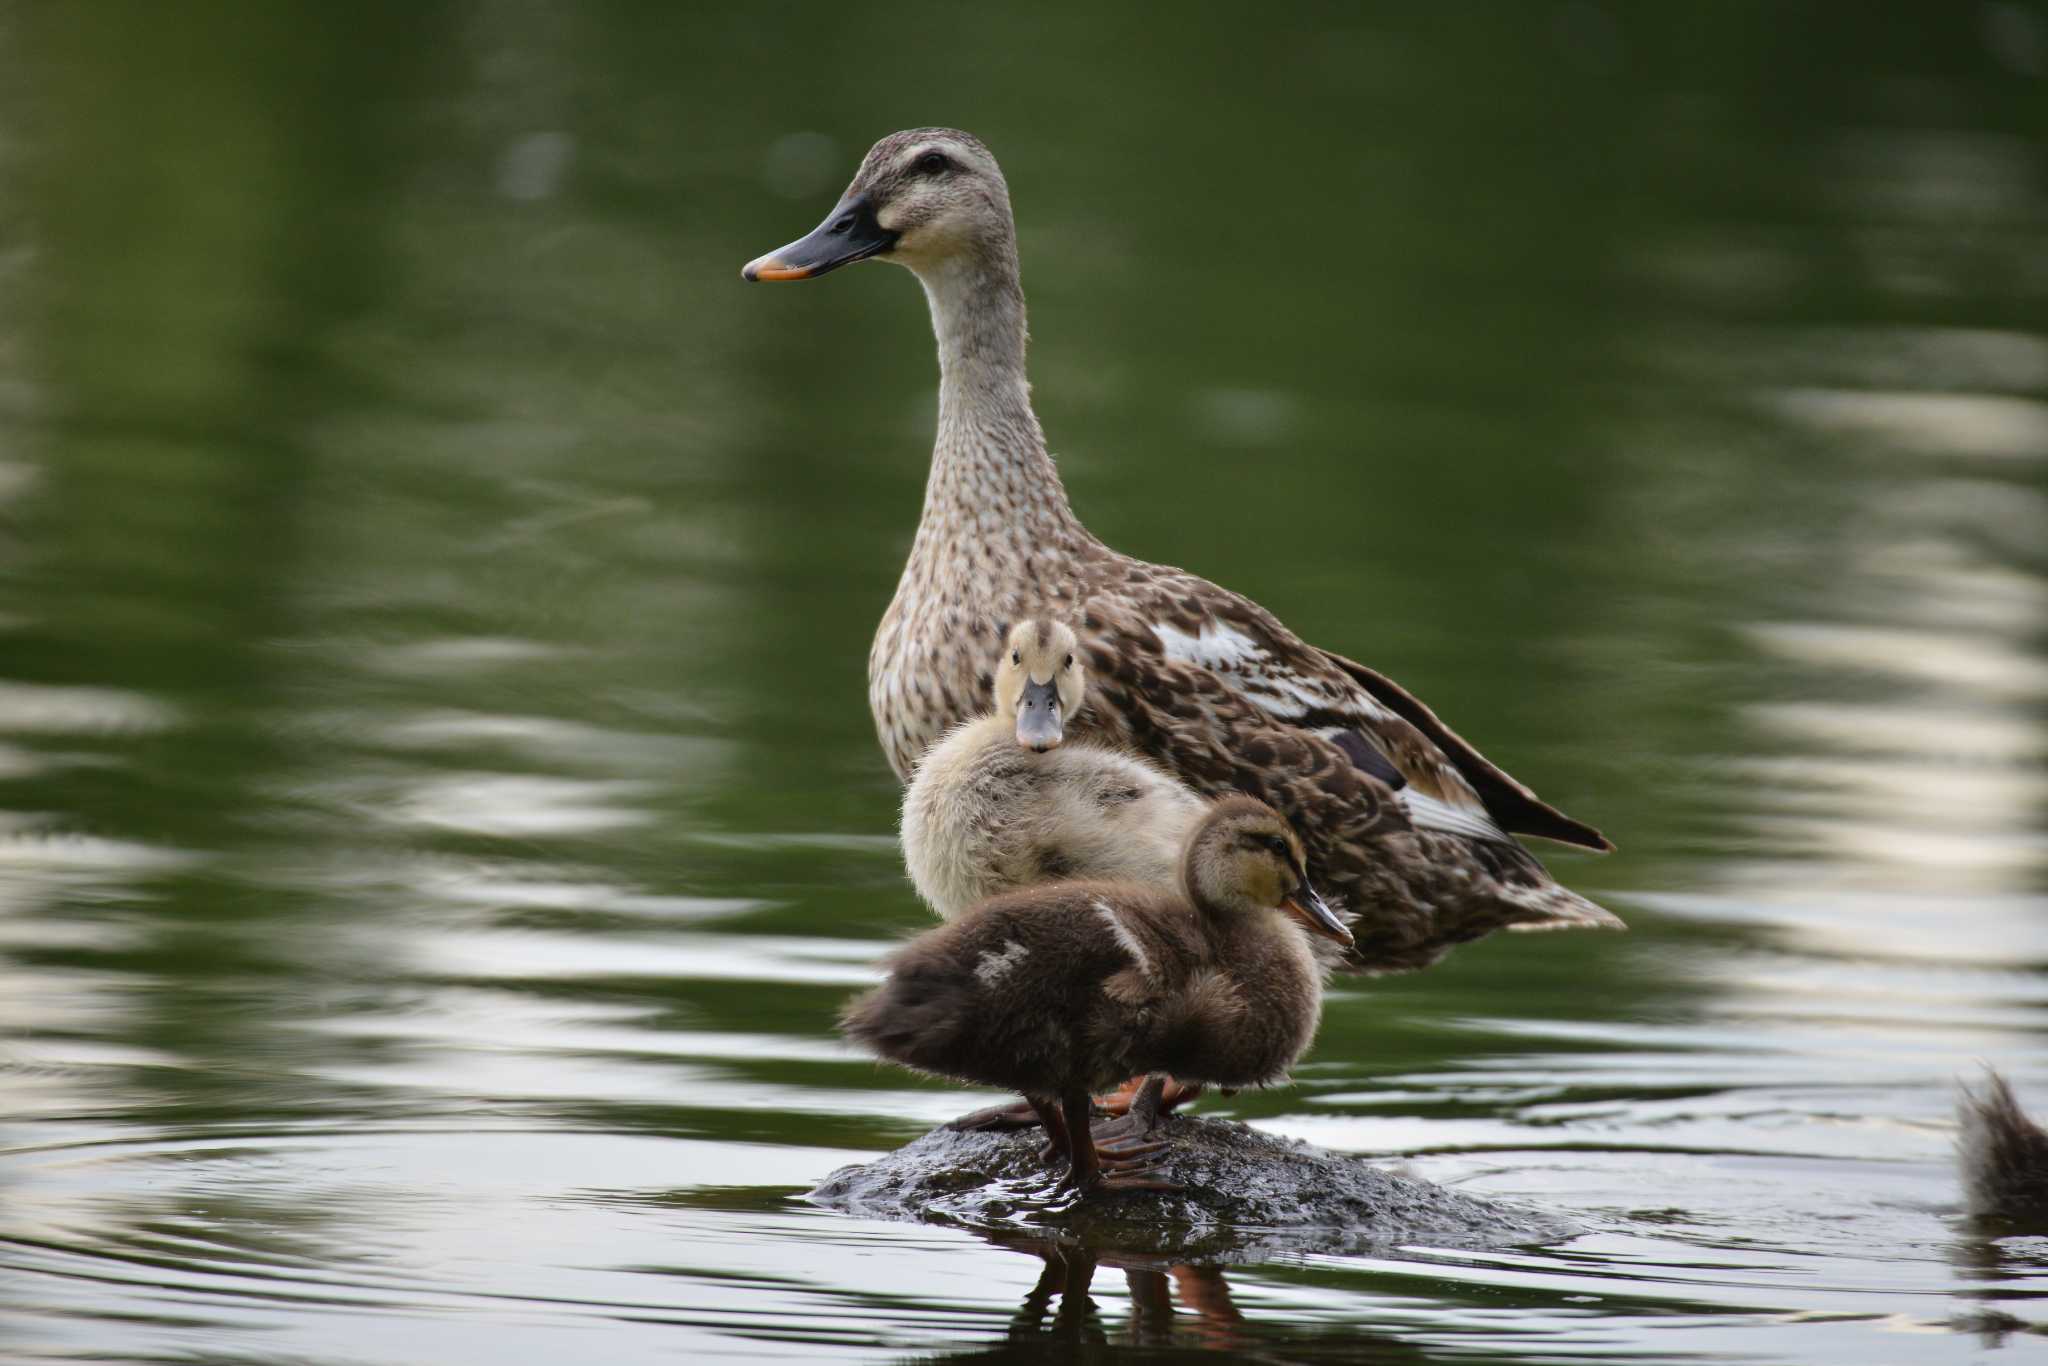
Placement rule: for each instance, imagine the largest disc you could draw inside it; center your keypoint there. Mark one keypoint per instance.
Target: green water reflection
(439, 815)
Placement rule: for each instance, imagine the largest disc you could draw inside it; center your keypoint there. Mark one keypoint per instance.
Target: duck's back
(984, 816)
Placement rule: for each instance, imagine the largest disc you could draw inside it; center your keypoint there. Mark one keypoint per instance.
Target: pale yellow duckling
(1000, 803)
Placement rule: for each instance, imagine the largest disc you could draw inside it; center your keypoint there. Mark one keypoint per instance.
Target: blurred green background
(437, 795)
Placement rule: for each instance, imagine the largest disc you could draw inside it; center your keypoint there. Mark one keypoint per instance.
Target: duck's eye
(933, 163)
(1016, 658)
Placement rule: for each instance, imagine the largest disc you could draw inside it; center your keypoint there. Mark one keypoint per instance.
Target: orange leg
(1087, 1168)
(1172, 1095)
(1059, 1140)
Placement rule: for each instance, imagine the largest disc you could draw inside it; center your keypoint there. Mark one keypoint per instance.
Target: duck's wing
(1511, 804)
(1442, 782)
(1423, 875)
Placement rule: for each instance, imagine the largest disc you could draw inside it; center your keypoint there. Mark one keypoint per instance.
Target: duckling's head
(1244, 857)
(1040, 683)
(922, 197)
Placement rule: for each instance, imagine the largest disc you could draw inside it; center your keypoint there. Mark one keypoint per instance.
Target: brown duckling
(1001, 803)
(2004, 1156)
(1067, 988)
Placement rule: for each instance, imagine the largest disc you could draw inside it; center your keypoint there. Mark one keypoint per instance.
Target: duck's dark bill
(848, 234)
(1312, 911)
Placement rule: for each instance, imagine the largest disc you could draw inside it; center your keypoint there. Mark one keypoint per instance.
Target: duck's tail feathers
(1552, 907)
(1384, 945)
(915, 1018)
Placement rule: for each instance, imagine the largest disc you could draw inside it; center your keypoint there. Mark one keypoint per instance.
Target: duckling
(1000, 803)
(1063, 989)
(2004, 1156)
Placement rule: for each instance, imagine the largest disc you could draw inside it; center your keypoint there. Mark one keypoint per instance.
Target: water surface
(439, 815)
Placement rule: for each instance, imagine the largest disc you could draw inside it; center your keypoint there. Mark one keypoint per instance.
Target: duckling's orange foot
(1114, 1135)
(1128, 1155)
(1151, 1096)
(997, 1118)
(1115, 1178)
(1117, 1103)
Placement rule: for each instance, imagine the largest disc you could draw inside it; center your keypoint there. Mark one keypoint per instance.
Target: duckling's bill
(1315, 913)
(849, 233)
(1040, 726)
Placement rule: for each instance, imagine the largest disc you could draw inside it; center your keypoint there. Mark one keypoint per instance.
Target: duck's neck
(990, 454)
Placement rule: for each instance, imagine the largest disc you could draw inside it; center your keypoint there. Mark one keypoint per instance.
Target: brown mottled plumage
(1067, 988)
(2004, 1157)
(1407, 823)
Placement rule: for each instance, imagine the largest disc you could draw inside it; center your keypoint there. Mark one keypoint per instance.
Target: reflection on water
(439, 818)
(1179, 1306)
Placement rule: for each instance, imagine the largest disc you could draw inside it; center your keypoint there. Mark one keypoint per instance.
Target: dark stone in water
(1247, 1197)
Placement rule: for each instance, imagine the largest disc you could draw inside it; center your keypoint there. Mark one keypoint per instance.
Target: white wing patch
(1286, 696)
(1123, 934)
(994, 966)
(1275, 687)
(1222, 648)
(1430, 813)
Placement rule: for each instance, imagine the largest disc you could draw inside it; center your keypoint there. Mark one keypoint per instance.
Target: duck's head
(921, 197)
(1244, 858)
(1040, 682)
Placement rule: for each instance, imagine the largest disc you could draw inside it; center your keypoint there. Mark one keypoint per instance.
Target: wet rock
(1246, 1196)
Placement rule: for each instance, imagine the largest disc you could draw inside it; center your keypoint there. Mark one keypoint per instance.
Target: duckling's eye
(933, 163)
(1016, 658)
(1069, 664)
(1275, 844)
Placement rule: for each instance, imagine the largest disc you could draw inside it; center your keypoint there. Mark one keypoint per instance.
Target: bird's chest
(934, 654)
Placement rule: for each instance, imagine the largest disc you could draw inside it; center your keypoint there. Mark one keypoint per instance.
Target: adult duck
(1408, 824)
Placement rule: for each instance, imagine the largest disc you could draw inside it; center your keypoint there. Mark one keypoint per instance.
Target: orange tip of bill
(768, 268)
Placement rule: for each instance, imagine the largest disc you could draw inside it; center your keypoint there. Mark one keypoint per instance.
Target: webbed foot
(997, 1118)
